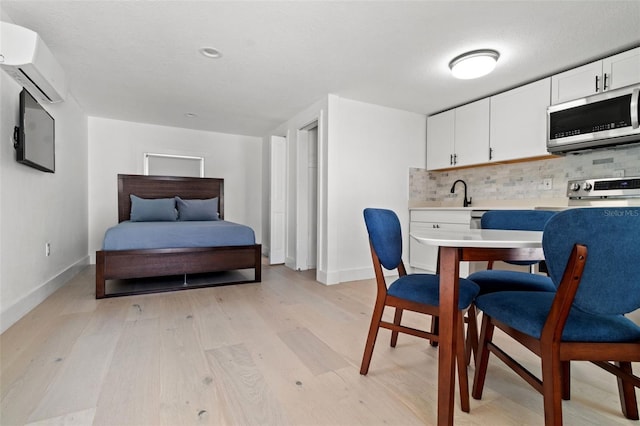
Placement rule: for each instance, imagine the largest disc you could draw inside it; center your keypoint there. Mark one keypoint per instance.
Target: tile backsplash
(519, 181)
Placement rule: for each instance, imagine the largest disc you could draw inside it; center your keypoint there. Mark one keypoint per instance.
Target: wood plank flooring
(285, 351)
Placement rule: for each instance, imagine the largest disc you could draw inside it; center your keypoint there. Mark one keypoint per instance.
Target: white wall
(38, 207)
(371, 149)
(118, 147)
(365, 154)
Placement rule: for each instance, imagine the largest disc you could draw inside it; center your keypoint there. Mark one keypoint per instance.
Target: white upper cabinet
(622, 69)
(459, 137)
(440, 138)
(610, 73)
(519, 122)
(576, 83)
(472, 133)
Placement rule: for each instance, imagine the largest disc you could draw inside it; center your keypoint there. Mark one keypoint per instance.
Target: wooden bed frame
(128, 264)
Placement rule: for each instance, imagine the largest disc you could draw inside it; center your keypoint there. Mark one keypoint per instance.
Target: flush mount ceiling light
(210, 52)
(474, 64)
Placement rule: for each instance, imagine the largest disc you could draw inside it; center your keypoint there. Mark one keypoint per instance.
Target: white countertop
(519, 204)
(491, 238)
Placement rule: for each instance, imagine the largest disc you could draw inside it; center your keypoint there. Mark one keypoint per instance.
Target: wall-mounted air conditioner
(25, 57)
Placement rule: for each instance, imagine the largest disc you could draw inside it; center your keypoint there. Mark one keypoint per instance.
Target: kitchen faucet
(465, 203)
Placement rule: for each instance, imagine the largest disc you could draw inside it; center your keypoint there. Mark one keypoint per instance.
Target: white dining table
(458, 245)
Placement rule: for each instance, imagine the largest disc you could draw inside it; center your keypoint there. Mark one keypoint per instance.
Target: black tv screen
(35, 136)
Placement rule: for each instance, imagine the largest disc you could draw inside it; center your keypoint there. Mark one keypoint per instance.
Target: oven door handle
(634, 108)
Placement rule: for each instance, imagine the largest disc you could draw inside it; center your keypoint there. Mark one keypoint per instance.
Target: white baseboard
(13, 313)
(337, 277)
(290, 263)
(356, 274)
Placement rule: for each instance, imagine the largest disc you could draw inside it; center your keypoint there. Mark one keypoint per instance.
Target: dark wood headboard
(167, 187)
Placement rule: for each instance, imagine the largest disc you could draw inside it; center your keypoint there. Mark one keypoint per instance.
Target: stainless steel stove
(604, 192)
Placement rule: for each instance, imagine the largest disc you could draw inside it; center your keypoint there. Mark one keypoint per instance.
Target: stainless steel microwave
(602, 120)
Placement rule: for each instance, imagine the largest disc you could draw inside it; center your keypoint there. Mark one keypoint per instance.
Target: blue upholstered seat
(593, 259)
(491, 280)
(528, 311)
(425, 289)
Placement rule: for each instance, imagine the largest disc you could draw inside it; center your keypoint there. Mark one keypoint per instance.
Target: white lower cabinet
(425, 257)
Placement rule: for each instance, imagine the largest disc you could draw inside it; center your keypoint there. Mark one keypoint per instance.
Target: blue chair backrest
(611, 278)
(385, 235)
(516, 220)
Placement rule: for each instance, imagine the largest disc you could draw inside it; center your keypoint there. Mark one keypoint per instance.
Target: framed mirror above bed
(173, 165)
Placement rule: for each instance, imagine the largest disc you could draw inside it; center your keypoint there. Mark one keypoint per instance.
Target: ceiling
(139, 60)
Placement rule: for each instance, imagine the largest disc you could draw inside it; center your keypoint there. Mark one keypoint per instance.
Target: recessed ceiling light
(210, 52)
(190, 114)
(474, 64)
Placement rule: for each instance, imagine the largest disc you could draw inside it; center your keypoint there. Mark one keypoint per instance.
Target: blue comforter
(153, 235)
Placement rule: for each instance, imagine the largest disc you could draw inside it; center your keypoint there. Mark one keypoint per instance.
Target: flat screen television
(35, 136)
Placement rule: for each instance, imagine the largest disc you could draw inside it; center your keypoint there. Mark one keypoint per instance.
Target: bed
(131, 266)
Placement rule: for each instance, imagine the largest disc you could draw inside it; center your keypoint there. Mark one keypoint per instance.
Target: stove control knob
(587, 186)
(574, 186)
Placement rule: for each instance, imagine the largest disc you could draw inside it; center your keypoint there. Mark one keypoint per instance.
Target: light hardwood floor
(286, 351)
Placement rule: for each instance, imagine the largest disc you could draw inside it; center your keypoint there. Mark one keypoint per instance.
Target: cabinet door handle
(597, 81)
(604, 83)
(455, 159)
(451, 159)
(635, 100)
(490, 153)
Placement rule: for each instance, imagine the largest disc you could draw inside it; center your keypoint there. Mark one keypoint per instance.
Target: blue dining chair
(593, 259)
(414, 292)
(491, 280)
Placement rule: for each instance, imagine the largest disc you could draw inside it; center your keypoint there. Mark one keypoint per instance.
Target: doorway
(306, 252)
(277, 200)
(295, 204)
(312, 195)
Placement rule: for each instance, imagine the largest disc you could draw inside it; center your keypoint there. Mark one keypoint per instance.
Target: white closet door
(278, 199)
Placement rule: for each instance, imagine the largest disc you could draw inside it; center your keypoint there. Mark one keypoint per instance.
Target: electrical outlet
(47, 249)
(547, 184)
(618, 173)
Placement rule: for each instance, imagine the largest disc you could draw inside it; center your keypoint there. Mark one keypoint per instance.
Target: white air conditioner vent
(25, 57)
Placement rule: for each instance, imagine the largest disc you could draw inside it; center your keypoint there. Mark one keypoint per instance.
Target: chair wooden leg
(471, 345)
(566, 380)
(551, 386)
(435, 330)
(627, 391)
(461, 360)
(397, 319)
(376, 317)
(482, 357)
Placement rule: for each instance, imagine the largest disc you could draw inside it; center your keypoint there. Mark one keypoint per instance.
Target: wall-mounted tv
(35, 136)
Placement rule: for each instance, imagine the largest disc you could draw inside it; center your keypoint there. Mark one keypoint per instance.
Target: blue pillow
(152, 210)
(197, 209)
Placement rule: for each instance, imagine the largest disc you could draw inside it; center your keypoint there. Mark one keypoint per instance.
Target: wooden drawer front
(441, 216)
